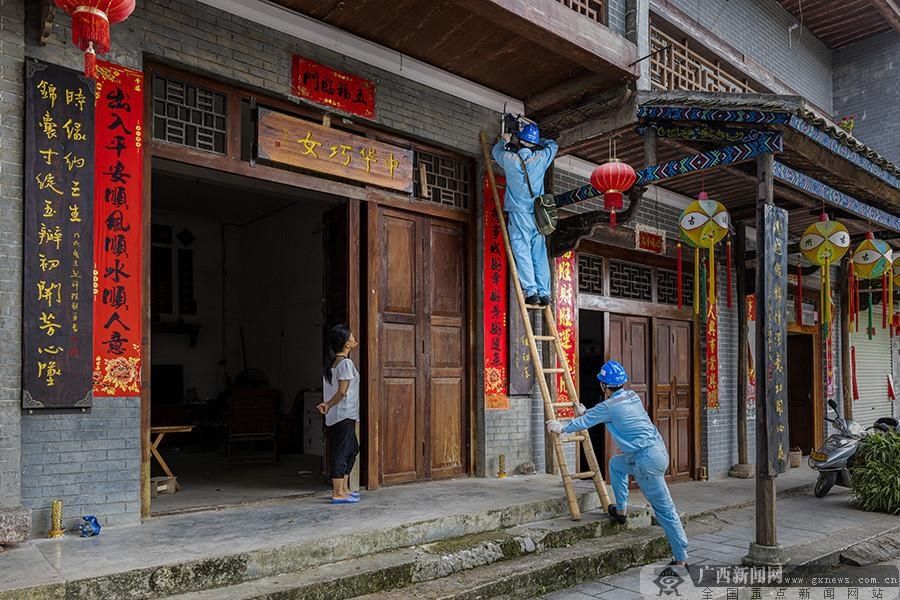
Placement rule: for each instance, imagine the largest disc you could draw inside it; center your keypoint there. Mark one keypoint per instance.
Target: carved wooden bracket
(47, 16)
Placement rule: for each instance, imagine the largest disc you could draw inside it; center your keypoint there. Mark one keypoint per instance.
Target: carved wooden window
(448, 180)
(630, 280)
(594, 10)
(680, 68)
(590, 274)
(666, 287)
(188, 115)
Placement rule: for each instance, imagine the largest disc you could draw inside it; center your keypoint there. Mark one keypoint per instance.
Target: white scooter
(834, 460)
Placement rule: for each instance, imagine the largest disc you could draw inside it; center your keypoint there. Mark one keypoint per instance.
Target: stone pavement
(810, 529)
(259, 540)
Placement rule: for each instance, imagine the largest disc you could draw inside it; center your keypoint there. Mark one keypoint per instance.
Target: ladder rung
(572, 438)
(545, 338)
(555, 404)
(554, 370)
(584, 475)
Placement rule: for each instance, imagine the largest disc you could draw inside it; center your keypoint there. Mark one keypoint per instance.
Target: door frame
(818, 415)
(654, 311)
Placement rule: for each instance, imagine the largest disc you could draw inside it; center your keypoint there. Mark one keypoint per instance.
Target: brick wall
(91, 460)
(759, 30)
(12, 49)
(867, 84)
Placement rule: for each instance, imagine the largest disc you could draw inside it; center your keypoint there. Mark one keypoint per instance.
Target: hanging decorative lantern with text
(90, 25)
(873, 260)
(824, 243)
(612, 179)
(703, 224)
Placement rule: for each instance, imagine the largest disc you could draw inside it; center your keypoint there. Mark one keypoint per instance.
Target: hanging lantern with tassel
(702, 225)
(613, 179)
(872, 259)
(90, 25)
(824, 243)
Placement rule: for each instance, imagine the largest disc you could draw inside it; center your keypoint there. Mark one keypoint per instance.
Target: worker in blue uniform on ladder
(525, 157)
(643, 455)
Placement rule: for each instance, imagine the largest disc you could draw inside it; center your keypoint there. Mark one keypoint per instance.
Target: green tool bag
(545, 215)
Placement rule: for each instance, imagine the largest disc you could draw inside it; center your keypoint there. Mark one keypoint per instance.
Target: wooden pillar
(743, 469)
(846, 375)
(650, 146)
(765, 549)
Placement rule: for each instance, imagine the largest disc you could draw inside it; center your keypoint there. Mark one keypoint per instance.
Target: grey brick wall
(12, 49)
(91, 461)
(508, 432)
(867, 84)
(759, 29)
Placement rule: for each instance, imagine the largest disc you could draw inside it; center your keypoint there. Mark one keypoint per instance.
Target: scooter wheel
(824, 483)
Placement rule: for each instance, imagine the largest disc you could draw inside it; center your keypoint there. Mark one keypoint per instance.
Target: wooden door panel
(664, 425)
(446, 347)
(682, 459)
(400, 239)
(446, 250)
(398, 346)
(447, 426)
(399, 459)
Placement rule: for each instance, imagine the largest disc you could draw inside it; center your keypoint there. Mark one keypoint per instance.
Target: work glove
(580, 408)
(554, 426)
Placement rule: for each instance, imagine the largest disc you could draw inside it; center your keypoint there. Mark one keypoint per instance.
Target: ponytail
(337, 339)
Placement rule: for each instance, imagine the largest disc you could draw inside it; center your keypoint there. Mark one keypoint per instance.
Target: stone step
(386, 571)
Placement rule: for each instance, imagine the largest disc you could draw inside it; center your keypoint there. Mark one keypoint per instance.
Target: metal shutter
(873, 364)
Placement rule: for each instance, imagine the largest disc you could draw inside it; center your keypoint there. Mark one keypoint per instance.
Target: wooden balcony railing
(679, 68)
(594, 10)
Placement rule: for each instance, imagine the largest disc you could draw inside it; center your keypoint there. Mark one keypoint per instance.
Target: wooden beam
(624, 117)
(562, 31)
(890, 10)
(564, 94)
(633, 307)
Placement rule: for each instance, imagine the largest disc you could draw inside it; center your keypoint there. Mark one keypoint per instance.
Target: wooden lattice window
(595, 10)
(448, 180)
(673, 66)
(666, 287)
(630, 280)
(188, 115)
(590, 273)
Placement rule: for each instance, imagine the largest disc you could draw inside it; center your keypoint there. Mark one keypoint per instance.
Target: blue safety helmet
(612, 374)
(530, 134)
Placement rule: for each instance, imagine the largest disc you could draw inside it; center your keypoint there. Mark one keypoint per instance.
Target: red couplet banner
(566, 325)
(118, 185)
(496, 269)
(329, 87)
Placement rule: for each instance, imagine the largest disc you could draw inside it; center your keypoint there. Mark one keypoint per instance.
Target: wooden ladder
(581, 439)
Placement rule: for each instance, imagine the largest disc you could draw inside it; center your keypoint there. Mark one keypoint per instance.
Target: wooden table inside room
(160, 433)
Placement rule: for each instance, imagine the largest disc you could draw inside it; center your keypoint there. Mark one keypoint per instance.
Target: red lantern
(90, 25)
(612, 179)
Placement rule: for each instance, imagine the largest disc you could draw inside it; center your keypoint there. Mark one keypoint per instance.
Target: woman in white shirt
(340, 387)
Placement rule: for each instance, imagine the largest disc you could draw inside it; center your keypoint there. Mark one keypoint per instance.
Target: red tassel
(851, 300)
(90, 28)
(90, 62)
(853, 372)
(884, 301)
(798, 300)
(612, 219)
(728, 272)
(678, 276)
(856, 291)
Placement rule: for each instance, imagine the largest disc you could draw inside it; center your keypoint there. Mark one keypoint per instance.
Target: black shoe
(674, 563)
(544, 300)
(616, 515)
(533, 300)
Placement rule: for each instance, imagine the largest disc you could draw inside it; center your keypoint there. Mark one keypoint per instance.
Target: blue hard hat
(612, 373)
(530, 134)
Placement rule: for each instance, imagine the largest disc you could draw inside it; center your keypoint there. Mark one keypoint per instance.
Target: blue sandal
(350, 500)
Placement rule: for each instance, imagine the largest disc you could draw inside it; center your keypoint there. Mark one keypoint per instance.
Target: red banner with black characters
(496, 269)
(566, 326)
(712, 353)
(330, 87)
(118, 208)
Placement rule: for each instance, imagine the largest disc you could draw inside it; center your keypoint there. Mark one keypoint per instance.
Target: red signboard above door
(334, 89)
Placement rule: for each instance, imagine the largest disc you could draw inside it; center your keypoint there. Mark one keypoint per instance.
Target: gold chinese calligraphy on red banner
(566, 324)
(288, 140)
(58, 253)
(496, 354)
(117, 231)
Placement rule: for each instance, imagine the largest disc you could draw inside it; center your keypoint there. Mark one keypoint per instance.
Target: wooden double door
(656, 353)
(418, 280)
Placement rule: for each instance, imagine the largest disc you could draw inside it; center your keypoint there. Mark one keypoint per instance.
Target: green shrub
(875, 477)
